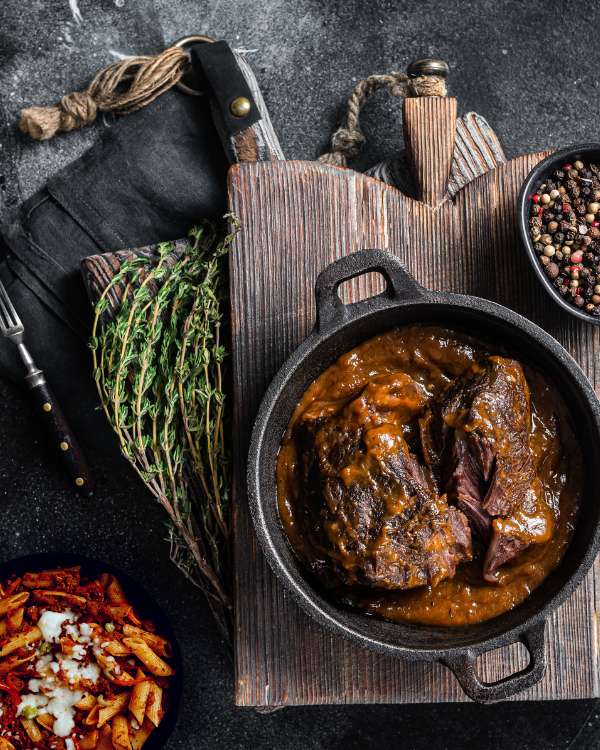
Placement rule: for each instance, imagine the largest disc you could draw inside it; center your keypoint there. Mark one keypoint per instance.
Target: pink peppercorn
(596, 223)
(567, 166)
(566, 208)
(536, 198)
(577, 257)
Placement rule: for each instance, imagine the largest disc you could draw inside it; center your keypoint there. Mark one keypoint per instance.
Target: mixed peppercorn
(565, 231)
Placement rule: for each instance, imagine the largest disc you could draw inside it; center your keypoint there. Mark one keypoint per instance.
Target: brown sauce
(433, 356)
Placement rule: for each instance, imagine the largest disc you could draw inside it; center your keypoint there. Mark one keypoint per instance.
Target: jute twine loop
(347, 141)
(149, 76)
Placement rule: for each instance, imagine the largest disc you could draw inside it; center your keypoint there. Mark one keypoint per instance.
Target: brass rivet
(240, 106)
(47, 407)
(79, 481)
(64, 447)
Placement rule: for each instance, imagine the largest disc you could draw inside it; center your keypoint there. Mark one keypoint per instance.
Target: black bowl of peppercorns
(559, 220)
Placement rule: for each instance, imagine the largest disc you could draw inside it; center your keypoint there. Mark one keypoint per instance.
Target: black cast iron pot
(586, 152)
(341, 327)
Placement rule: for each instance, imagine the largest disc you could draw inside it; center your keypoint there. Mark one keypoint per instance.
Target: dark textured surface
(512, 62)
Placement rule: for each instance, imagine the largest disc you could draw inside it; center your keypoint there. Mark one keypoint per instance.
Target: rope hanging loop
(423, 78)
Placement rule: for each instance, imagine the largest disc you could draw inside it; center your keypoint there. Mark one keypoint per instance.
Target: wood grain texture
(476, 151)
(297, 217)
(429, 130)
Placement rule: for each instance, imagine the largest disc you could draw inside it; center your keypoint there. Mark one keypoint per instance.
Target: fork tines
(10, 323)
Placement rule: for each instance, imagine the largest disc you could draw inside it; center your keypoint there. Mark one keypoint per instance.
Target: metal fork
(56, 424)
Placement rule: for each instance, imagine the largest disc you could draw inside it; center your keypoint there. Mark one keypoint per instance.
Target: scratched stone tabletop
(530, 68)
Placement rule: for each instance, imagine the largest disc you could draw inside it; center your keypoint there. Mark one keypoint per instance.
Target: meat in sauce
(428, 477)
(365, 498)
(475, 437)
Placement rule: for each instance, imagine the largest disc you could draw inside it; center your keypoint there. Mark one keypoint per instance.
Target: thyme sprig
(160, 369)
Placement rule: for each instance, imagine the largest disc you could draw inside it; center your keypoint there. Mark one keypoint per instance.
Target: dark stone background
(530, 68)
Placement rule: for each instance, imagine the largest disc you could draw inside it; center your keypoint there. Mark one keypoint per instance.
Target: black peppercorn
(562, 290)
(593, 168)
(543, 229)
(572, 186)
(572, 216)
(551, 270)
(560, 175)
(539, 248)
(570, 236)
(559, 237)
(577, 202)
(579, 301)
(564, 225)
(585, 191)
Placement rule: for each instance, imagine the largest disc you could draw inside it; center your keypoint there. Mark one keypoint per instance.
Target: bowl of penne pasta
(88, 659)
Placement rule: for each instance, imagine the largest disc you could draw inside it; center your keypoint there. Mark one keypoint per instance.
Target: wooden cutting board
(297, 217)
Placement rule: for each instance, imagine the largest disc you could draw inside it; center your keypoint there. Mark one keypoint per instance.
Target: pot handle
(400, 284)
(463, 667)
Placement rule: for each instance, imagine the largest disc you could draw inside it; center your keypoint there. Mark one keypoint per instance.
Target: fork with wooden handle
(52, 416)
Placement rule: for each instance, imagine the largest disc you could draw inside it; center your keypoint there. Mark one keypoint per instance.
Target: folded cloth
(154, 175)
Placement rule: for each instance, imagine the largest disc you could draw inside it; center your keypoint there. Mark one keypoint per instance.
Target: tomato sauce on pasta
(78, 669)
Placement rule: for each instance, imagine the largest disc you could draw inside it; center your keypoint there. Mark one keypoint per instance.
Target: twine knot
(347, 141)
(76, 110)
(147, 77)
(345, 144)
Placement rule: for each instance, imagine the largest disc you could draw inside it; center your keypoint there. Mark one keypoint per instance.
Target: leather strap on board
(216, 65)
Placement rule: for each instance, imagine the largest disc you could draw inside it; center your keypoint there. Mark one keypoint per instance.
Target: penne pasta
(65, 595)
(118, 703)
(120, 733)
(103, 580)
(46, 721)
(92, 717)
(154, 704)
(142, 734)
(13, 662)
(20, 640)
(116, 648)
(159, 645)
(55, 571)
(105, 739)
(67, 665)
(139, 697)
(32, 730)
(14, 619)
(13, 602)
(38, 580)
(86, 703)
(147, 656)
(115, 593)
(90, 740)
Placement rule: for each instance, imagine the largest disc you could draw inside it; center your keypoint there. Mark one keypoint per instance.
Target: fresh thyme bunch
(160, 369)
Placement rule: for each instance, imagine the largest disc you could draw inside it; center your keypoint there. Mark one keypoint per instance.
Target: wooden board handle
(429, 131)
